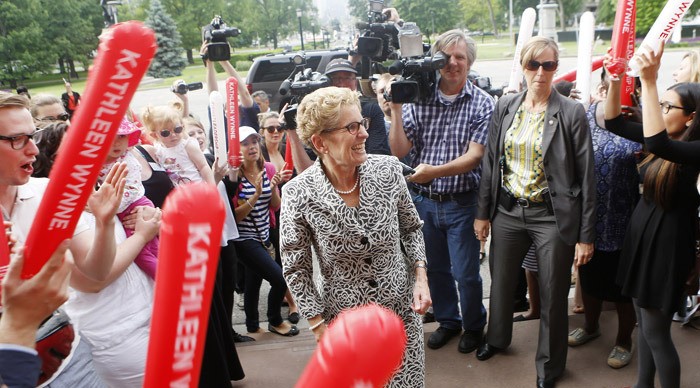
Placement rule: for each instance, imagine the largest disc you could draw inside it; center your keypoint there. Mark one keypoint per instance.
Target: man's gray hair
(455, 36)
(262, 94)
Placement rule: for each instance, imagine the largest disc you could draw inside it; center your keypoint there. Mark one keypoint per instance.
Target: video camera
(484, 83)
(417, 68)
(301, 82)
(379, 39)
(182, 88)
(215, 33)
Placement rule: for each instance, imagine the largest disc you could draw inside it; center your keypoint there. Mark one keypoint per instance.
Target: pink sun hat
(130, 129)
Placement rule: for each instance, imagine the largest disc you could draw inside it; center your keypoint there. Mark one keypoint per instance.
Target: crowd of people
(386, 203)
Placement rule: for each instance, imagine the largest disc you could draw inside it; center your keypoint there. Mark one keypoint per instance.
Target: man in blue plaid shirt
(446, 134)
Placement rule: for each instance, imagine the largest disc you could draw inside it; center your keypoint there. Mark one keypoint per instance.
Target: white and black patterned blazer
(359, 249)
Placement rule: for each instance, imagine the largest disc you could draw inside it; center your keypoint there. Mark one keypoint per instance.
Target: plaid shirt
(441, 130)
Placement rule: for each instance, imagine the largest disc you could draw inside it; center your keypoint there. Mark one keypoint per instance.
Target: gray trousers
(512, 233)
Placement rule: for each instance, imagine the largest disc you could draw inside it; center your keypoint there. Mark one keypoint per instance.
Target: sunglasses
(274, 128)
(166, 132)
(62, 117)
(547, 65)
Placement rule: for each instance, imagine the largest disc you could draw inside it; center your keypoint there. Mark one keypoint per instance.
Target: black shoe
(521, 306)
(237, 338)
(486, 351)
(428, 317)
(441, 336)
(542, 383)
(471, 339)
(293, 318)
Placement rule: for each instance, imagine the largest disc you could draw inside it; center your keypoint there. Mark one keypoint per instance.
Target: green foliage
(358, 8)
(273, 20)
(22, 42)
(168, 60)
(443, 14)
(477, 16)
(243, 65)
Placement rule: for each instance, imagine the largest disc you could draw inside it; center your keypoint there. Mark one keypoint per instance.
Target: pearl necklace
(352, 189)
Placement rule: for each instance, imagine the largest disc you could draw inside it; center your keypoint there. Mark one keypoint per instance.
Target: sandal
(291, 333)
(580, 336)
(293, 318)
(619, 357)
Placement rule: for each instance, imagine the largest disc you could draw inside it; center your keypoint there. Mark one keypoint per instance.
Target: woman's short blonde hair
(694, 57)
(536, 46)
(262, 117)
(321, 109)
(156, 118)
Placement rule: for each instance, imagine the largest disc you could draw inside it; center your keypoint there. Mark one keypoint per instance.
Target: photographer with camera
(446, 132)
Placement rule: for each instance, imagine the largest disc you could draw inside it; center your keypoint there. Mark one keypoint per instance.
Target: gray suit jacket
(568, 164)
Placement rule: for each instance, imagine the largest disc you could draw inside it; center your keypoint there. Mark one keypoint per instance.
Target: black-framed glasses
(354, 127)
(667, 106)
(18, 142)
(166, 132)
(274, 128)
(546, 65)
(62, 117)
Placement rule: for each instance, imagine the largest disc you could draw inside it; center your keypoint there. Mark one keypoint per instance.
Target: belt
(439, 197)
(508, 200)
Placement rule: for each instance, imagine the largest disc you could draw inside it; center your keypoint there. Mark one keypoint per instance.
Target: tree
(168, 61)
(73, 31)
(445, 14)
(190, 17)
(22, 43)
(274, 19)
(358, 8)
(482, 15)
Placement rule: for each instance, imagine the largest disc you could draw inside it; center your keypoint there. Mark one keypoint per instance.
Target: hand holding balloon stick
(527, 24)
(234, 146)
(362, 348)
(662, 29)
(123, 57)
(193, 218)
(622, 42)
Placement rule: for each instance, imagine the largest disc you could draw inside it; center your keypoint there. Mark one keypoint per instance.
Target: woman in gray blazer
(537, 187)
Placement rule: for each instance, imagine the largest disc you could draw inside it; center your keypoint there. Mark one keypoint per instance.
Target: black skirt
(598, 277)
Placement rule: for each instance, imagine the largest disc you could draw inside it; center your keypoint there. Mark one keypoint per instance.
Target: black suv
(268, 72)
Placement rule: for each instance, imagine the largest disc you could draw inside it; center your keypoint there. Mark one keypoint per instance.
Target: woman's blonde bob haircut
(321, 109)
(536, 46)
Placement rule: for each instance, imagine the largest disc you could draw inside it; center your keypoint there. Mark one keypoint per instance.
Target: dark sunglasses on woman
(274, 128)
(546, 66)
(166, 132)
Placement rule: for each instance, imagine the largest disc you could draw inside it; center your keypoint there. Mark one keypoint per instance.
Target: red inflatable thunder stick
(190, 233)
(288, 160)
(345, 357)
(571, 75)
(4, 255)
(622, 46)
(123, 57)
(234, 146)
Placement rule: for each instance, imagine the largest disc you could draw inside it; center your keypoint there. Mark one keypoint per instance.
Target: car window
(268, 71)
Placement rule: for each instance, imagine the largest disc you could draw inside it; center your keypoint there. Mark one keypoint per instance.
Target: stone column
(548, 19)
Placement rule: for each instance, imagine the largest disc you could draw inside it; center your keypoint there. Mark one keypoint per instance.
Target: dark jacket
(568, 164)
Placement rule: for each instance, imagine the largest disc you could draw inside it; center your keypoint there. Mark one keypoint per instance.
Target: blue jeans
(453, 256)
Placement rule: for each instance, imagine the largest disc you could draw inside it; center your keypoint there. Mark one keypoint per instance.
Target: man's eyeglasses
(273, 129)
(667, 106)
(547, 65)
(18, 142)
(62, 117)
(166, 132)
(354, 127)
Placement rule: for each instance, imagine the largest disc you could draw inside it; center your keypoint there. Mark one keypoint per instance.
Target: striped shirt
(523, 175)
(441, 129)
(256, 225)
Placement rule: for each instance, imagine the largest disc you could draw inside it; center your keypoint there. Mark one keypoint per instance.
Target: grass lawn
(488, 48)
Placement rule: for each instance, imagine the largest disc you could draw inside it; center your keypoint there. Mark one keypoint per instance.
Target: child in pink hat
(127, 137)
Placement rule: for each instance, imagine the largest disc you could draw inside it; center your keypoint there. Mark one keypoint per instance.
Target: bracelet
(421, 265)
(317, 325)
(248, 202)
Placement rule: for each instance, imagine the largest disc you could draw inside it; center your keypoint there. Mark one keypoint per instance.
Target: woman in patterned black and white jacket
(354, 212)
